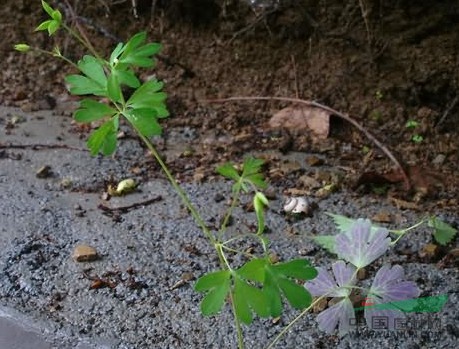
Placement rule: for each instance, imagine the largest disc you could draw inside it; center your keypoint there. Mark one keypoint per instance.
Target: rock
(314, 161)
(43, 172)
(439, 159)
(84, 253)
(300, 119)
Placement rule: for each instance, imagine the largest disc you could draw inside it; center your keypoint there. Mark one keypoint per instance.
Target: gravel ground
(148, 255)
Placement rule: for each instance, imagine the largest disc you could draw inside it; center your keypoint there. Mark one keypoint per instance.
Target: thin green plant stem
(185, 199)
(82, 39)
(250, 236)
(237, 323)
(284, 331)
(229, 212)
(54, 54)
(401, 233)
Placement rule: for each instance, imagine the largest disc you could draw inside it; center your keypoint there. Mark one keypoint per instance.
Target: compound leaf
(443, 232)
(299, 269)
(94, 81)
(147, 95)
(229, 171)
(91, 110)
(113, 87)
(216, 285)
(103, 139)
(253, 270)
(144, 121)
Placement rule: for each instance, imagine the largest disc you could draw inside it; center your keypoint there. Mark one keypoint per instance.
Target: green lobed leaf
(144, 121)
(103, 139)
(109, 145)
(443, 232)
(91, 110)
(247, 298)
(216, 285)
(344, 224)
(326, 241)
(53, 26)
(114, 88)
(49, 10)
(161, 111)
(115, 53)
(135, 41)
(211, 280)
(57, 16)
(257, 180)
(81, 85)
(253, 270)
(297, 295)
(251, 166)
(229, 171)
(141, 56)
(241, 305)
(251, 173)
(44, 25)
(298, 269)
(127, 77)
(272, 294)
(95, 81)
(93, 69)
(147, 95)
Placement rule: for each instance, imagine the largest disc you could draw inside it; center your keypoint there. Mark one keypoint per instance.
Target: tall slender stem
(185, 199)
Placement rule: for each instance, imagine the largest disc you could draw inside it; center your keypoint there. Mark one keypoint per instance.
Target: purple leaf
(341, 314)
(360, 245)
(325, 285)
(388, 286)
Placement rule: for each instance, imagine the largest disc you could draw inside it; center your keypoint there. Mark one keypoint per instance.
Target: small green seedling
(413, 124)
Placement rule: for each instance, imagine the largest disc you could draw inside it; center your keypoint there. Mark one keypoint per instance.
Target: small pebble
(84, 253)
(43, 172)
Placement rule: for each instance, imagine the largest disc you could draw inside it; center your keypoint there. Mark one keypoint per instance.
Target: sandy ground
(146, 251)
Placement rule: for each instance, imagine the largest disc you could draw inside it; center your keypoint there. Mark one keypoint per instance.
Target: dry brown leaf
(301, 119)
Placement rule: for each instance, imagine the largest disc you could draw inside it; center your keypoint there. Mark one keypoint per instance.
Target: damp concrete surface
(139, 292)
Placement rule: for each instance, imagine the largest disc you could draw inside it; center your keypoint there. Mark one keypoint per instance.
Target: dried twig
(381, 146)
(448, 109)
(110, 211)
(39, 146)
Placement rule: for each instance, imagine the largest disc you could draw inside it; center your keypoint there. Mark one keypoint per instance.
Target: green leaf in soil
(279, 279)
(53, 24)
(104, 138)
(128, 78)
(229, 171)
(253, 270)
(94, 81)
(91, 110)
(148, 96)
(251, 172)
(443, 232)
(134, 54)
(144, 121)
(216, 285)
(326, 241)
(114, 88)
(247, 298)
(299, 269)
